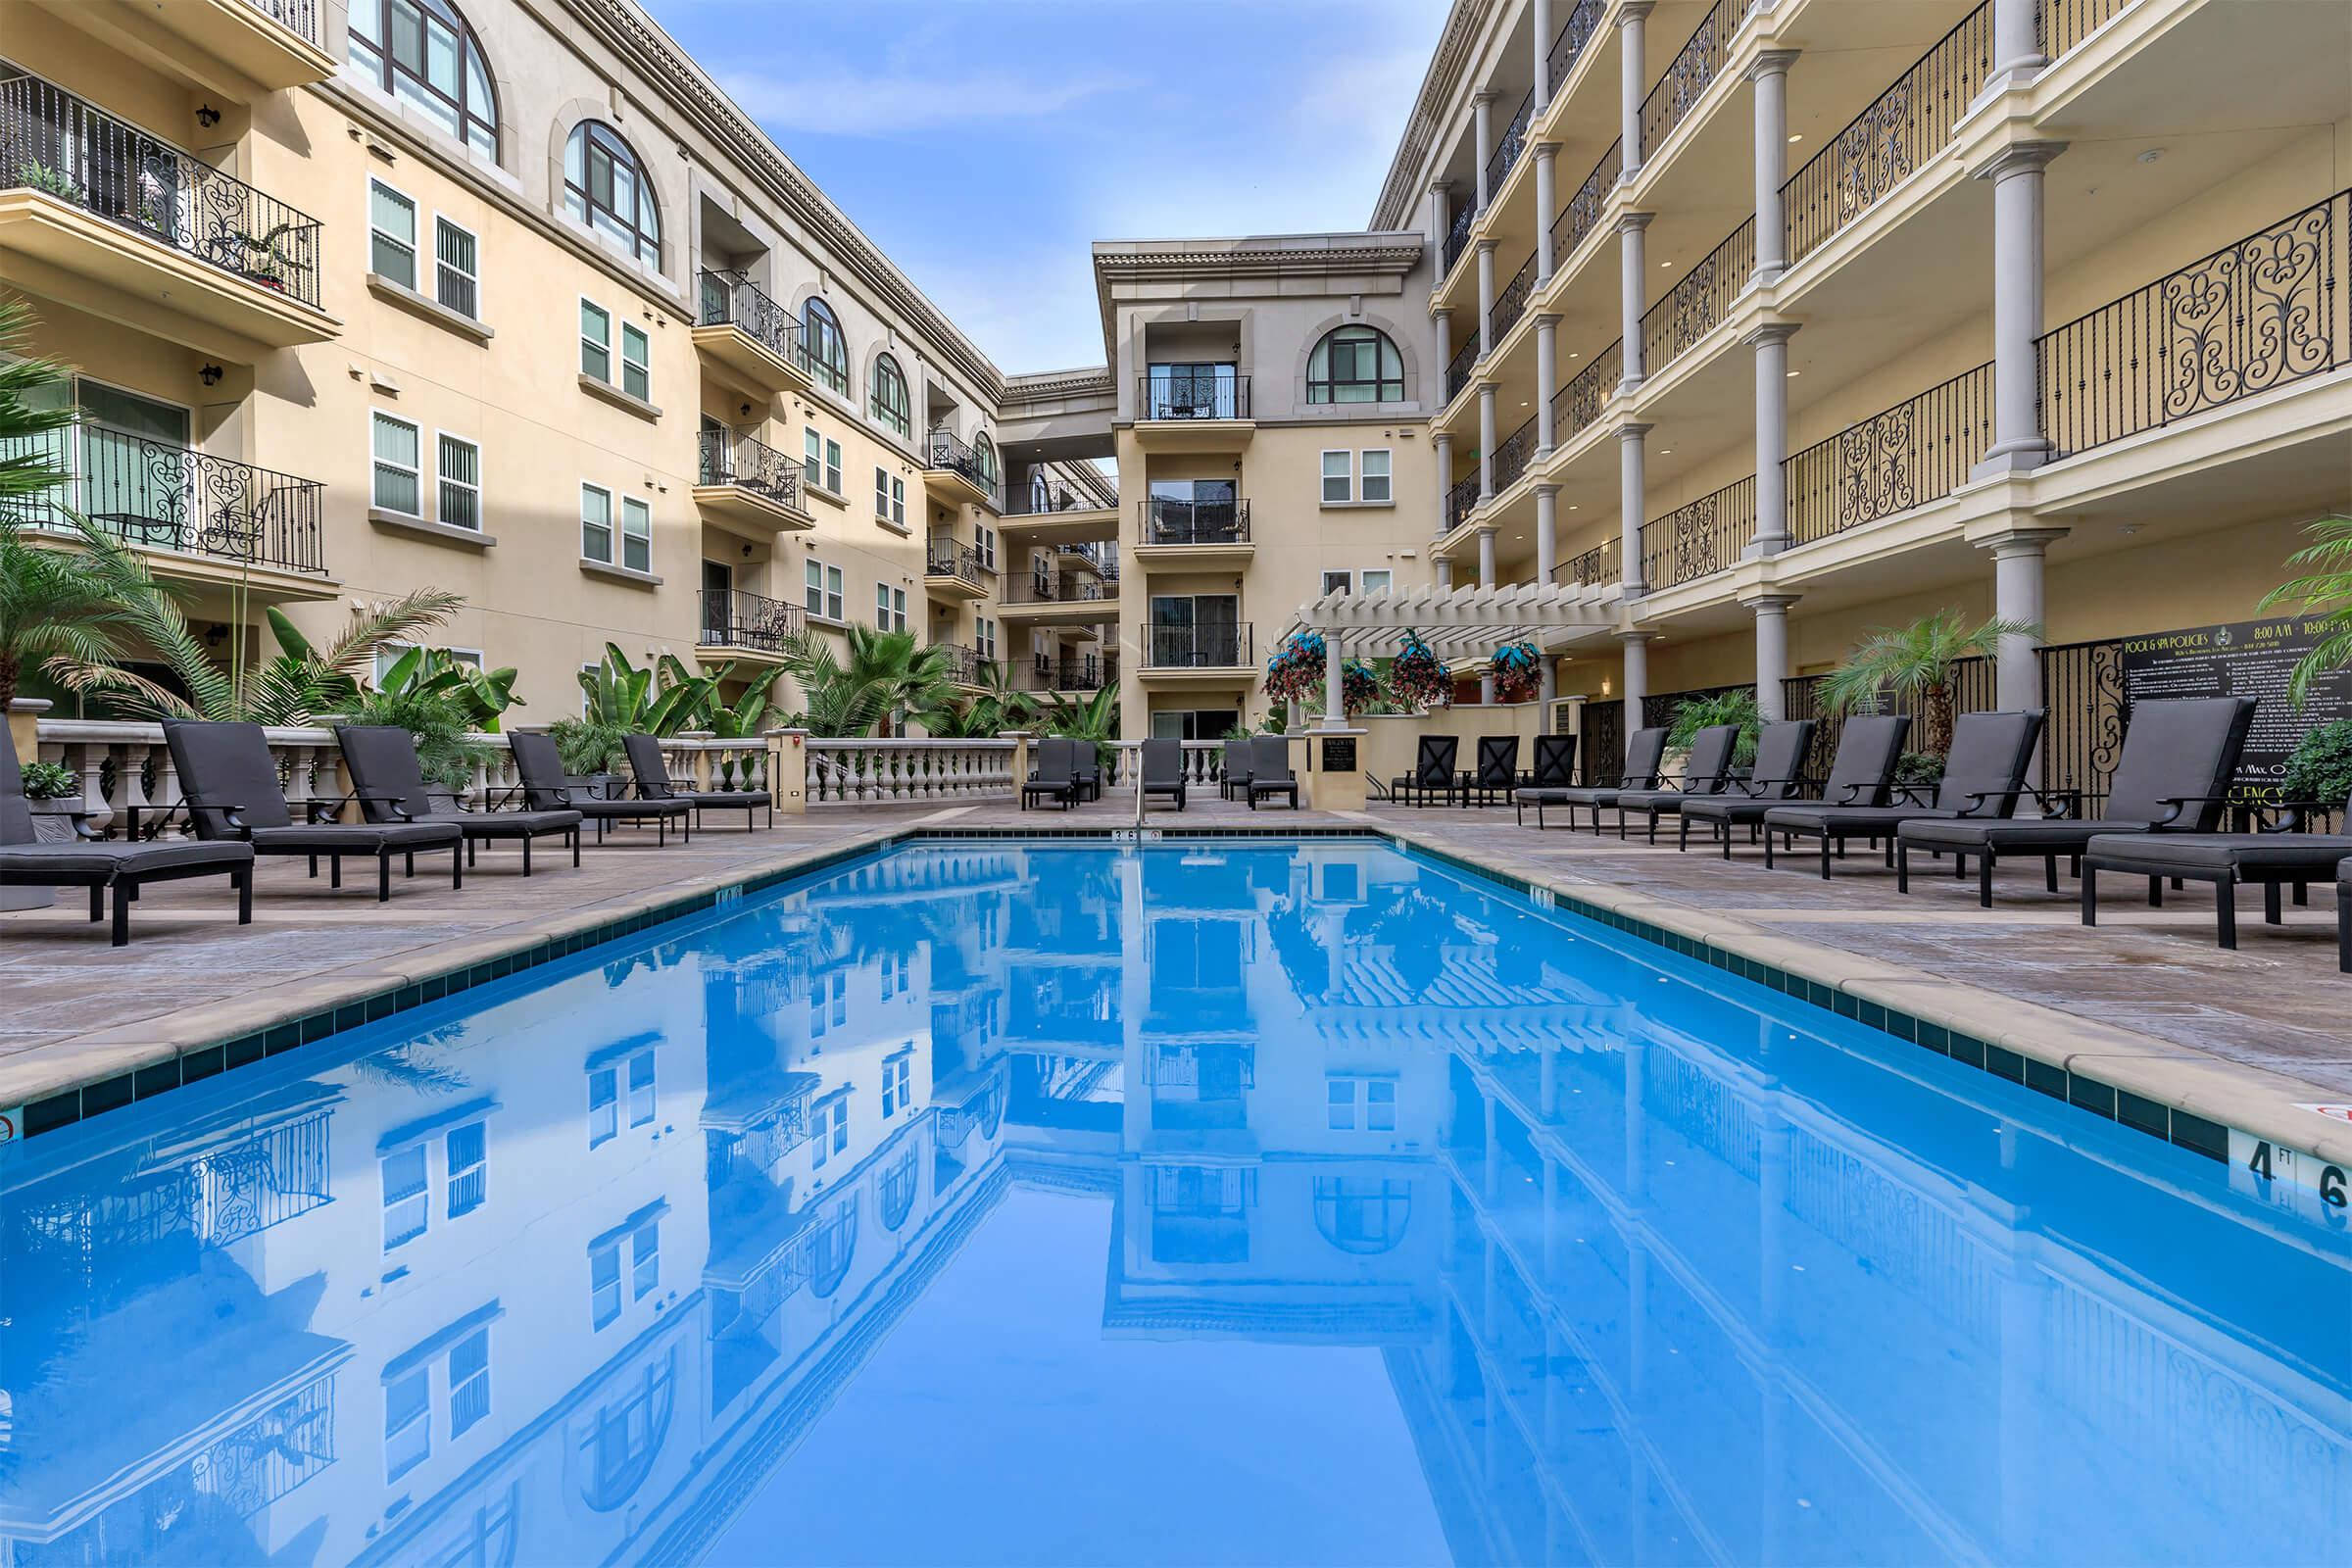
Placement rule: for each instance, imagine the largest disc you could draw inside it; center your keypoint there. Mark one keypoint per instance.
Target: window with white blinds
(461, 474)
(457, 280)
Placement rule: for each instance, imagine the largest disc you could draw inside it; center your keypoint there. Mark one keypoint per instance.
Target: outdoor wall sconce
(210, 374)
(208, 116)
(747, 412)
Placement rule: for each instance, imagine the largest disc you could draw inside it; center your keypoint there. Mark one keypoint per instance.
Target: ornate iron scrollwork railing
(1700, 539)
(1578, 218)
(1510, 301)
(2064, 23)
(1917, 452)
(54, 142)
(1457, 368)
(270, 1455)
(1602, 564)
(1198, 521)
(1700, 302)
(1576, 406)
(1459, 500)
(733, 618)
(1175, 393)
(1457, 238)
(1899, 133)
(1568, 45)
(1695, 67)
(951, 557)
(1512, 455)
(944, 451)
(967, 666)
(168, 497)
(730, 299)
(737, 457)
(1508, 146)
(2252, 317)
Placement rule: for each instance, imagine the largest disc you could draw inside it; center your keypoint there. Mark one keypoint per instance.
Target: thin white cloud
(841, 101)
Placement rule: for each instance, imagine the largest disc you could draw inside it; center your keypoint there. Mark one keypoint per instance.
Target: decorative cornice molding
(1046, 386)
(1387, 253)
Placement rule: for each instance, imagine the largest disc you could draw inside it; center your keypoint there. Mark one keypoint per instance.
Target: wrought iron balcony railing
(168, 497)
(1700, 539)
(733, 618)
(1459, 500)
(1917, 452)
(57, 143)
(1072, 672)
(967, 666)
(1568, 45)
(1512, 455)
(1042, 585)
(1700, 302)
(730, 299)
(1457, 238)
(737, 457)
(1175, 520)
(2064, 23)
(1037, 500)
(1510, 301)
(1576, 406)
(1695, 68)
(1899, 133)
(1198, 648)
(1508, 146)
(1179, 393)
(1458, 369)
(2254, 315)
(1577, 219)
(1602, 564)
(951, 557)
(945, 452)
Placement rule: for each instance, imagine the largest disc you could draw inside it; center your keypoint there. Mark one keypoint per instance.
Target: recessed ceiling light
(1793, 374)
(1665, 451)
(1799, 137)
(1576, 508)
(2152, 155)
(1665, 263)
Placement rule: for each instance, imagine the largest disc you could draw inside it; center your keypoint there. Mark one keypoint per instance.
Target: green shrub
(1918, 769)
(2321, 765)
(586, 746)
(50, 781)
(1734, 707)
(439, 724)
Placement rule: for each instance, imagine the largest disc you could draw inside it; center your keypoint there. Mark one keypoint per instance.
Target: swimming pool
(1223, 1200)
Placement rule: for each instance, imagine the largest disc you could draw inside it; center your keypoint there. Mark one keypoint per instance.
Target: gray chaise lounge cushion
(1644, 751)
(34, 865)
(544, 789)
(1708, 768)
(1982, 777)
(1780, 756)
(652, 780)
(2169, 854)
(234, 793)
(385, 769)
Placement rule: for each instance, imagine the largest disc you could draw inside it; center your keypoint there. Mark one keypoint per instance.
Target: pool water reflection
(1041, 1203)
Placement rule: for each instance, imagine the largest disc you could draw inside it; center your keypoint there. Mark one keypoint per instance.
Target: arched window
(887, 396)
(422, 51)
(606, 187)
(623, 1439)
(1355, 365)
(822, 340)
(898, 1191)
(984, 452)
(836, 1245)
(1357, 1214)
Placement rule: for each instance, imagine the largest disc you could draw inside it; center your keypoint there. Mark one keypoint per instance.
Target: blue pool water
(1001, 1202)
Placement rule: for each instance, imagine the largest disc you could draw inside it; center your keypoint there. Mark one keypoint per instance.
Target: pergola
(1458, 623)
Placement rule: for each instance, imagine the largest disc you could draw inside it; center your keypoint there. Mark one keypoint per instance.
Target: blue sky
(985, 143)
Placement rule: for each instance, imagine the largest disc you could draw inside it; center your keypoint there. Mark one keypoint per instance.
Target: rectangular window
(833, 467)
(408, 1204)
(1341, 1094)
(645, 1260)
(984, 636)
(840, 1124)
(984, 545)
(603, 1284)
(897, 501)
(1374, 582)
(596, 341)
(407, 1422)
(456, 280)
(894, 1086)
(1380, 1105)
(398, 484)
(1338, 477)
(461, 477)
(468, 1382)
(1376, 476)
(603, 1112)
(882, 606)
(391, 234)
(636, 534)
(467, 1152)
(812, 457)
(836, 605)
(636, 361)
(882, 493)
(1377, 1096)
(641, 1089)
(813, 593)
(898, 609)
(596, 523)
(1339, 582)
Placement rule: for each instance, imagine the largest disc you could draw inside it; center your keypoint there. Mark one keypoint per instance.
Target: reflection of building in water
(569, 1280)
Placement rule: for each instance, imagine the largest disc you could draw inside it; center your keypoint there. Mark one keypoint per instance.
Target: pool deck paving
(2145, 1001)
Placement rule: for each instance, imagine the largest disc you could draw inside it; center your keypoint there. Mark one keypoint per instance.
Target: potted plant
(1918, 661)
(265, 260)
(1516, 676)
(2319, 771)
(1734, 707)
(55, 795)
(1418, 675)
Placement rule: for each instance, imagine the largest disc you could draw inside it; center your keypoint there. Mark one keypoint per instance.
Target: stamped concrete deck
(2145, 1001)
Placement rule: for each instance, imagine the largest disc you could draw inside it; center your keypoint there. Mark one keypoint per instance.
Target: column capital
(1631, 637)
(1547, 151)
(1633, 430)
(1441, 313)
(1633, 223)
(1442, 438)
(1770, 335)
(1768, 601)
(1548, 322)
(1547, 492)
(1635, 10)
(2019, 158)
(1485, 530)
(2022, 539)
(1485, 95)
(1488, 247)
(1770, 62)
(1440, 187)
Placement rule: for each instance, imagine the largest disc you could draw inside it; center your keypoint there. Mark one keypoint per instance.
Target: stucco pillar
(1440, 213)
(2016, 174)
(1540, 16)
(1548, 383)
(1769, 76)
(2018, 562)
(2017, 57)
(1547, 531)
(1442, 446)
(1633, 276)
(1771, 343)
(1486, 441)
(1335, 701)
(1444, 572)
(1486, 297)
(788, 768)
(1548, 207)
(1631, 76)
(1486, 580)
(1772, 652)
(1630, 480)
(1481, 111)
(1636, 645)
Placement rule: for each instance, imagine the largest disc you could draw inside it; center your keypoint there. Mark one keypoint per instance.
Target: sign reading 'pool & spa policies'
(2243, 659)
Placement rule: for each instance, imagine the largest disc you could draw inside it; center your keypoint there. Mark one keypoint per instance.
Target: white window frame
(604, 1117)
(458, 1385)
(414, 471)
(984, 545)
(416, 212)
(441, 477)
(812, 587)
(604, 348)
(641, 535)
(645, 1259)
(452, 1171)
(812, 457)
(1363, 580)
(641, 1110)
(643, 363)
(599, 1260)
(832, 465)
(474, 277)
(836, 597)
(898, 609)
(1345, 476)
(898, 500)
(882, 607)
(420, 1197)
(1346, 581)
(1386, 477)
(881, 492)
(612, 523)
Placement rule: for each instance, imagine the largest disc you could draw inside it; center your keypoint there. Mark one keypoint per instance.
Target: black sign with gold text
(2243, 659)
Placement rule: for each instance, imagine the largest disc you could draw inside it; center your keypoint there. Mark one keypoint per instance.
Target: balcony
(1581, 214)
(103, 217)
(1071, 672)
(1917, 452)
(742, 481)
(1461, 500)
(1045, 597)
(1201, 528)
(1693, 71)
(957, 474)
(967, 666)
(208, 519)
(1458, 240)
(1458, 369)
(1596, 568)
(1510, 301)
(1193, 409)
(1568, 45)
(1700, 303)
(739, 624)
(1059, 515)
(1512, 455)
(1701, 539)
(1508, 146)
(951, 569)
(746, 338)
(241, 48)
(1576, 407)
(1223, 652)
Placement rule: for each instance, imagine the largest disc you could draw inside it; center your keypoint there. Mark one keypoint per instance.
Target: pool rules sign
(2242, 659)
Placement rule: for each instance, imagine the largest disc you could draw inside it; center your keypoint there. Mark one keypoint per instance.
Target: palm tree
(1094, 719)
(2325, 591)
(887, 678)
(1918, 661)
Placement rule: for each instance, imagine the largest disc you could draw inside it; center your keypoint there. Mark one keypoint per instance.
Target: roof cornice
(1045, 386)
(1465, 23)
(1280, 256)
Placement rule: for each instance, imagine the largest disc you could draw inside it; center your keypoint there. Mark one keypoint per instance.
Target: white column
(2016, 595)
(1335, 701)
(1540, 15)
(1486, 297)
(1631, 475)
(1637, 686)
(1772, 652)
(1548, 670)
(1486, 441)
(1769, 75)
(1547, 531)
(1444, 572)
(1548, 383)
(1443, 447)
(1486, 580)
(1633, 276)
(1771, 343)
(1631, 76)
(1547, 208)
(1440, 213)
(1482, 109)
(2017, 57)
(2016, 173)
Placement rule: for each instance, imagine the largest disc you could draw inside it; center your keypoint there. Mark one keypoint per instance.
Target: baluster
(89, 761)
(167, 792)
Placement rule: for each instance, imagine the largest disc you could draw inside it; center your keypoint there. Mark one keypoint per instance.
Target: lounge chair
(1085, 770)
(1555, 763)
(1270, 769)
(1780, 751)
(1706, 771)
(231, 791)
(653, 784)
(2275, 859)
(1163, 770)
(1434, 758)
(101, 865)
(1645, 754)
(2178, 757)
(1237, 768)
(1497, 770)
(389, 784)
(1982, 776)
(547, 788)
(1051, 779)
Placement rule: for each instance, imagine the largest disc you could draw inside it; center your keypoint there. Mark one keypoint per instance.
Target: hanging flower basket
(1418, 675)
(1296, 669)
(1359, 686)
(1515, 676)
